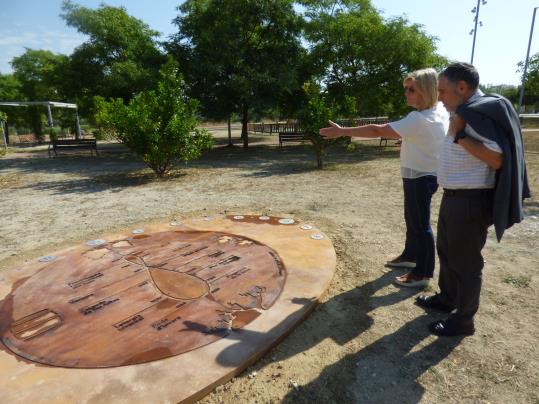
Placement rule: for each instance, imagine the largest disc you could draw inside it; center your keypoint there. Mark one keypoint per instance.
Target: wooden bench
(72, 144)
(287, 137)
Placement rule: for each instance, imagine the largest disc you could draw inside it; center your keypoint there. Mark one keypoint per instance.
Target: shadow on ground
(384, 371)
(116, 169)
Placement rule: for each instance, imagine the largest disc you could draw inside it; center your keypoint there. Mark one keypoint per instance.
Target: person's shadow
(385, 371)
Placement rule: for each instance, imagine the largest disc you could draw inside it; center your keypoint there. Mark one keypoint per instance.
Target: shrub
(314, 116)
(52, 132)
(158, 125)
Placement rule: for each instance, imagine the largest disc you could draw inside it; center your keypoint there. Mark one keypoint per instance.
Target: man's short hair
(456, 72)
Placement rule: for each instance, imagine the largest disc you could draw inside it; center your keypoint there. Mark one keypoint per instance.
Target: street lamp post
(476, 19)
(521, 97)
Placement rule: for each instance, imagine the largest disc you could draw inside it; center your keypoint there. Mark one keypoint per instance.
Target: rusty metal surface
(139, 299)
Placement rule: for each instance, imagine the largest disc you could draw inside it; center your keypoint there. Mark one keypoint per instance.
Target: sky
(501, 42)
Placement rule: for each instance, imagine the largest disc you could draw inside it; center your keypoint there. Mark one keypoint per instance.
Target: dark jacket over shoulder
(493, 117)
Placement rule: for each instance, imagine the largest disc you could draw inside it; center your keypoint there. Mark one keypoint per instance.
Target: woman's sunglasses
(409, 89)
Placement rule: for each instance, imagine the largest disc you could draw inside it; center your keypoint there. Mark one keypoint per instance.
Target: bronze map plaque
(140, 298)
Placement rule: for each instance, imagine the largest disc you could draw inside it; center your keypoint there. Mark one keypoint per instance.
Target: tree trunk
(320, 161)
(229, 133)
(244, 120)
(6, 132)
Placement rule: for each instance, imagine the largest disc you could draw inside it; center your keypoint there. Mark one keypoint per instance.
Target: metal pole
(2, 123)
(475, 28)
(77, 125)
(521, 97)
(49, 116)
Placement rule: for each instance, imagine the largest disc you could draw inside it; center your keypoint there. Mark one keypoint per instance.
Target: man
(483, 174)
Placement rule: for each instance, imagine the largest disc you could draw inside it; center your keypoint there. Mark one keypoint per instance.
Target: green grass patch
(518, 281)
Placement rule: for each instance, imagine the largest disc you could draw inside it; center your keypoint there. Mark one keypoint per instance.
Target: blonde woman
(422, 132)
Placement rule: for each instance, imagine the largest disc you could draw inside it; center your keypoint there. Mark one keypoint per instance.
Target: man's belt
(467, 192)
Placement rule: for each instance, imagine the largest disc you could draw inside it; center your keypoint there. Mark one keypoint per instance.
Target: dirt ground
(366, 342)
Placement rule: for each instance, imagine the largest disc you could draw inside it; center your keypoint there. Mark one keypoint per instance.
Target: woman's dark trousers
(419, 247)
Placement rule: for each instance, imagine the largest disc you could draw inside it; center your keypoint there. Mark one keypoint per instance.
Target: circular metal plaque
(47, 258)
(95, 243)
(286, 221)
(141, 298)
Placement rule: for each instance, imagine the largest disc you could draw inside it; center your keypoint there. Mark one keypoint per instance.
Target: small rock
(252, 375)
(294, 384)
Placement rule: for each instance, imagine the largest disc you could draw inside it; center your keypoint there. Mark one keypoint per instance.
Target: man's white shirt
(458, 169)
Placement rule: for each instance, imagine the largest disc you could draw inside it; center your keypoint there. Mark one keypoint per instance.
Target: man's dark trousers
(465, 216)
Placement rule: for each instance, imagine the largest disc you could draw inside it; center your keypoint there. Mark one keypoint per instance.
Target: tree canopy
(239, 56)
(120, 58)
(37, 76)
(359, 54)
(531, 88)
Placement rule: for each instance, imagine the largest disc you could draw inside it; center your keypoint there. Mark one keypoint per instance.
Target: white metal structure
(49, 105)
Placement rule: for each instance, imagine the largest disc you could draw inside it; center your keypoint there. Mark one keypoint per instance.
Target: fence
(291, 126)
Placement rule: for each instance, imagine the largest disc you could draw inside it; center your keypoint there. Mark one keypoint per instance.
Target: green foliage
(52, 132)
(10, 88)
(357, 53)
(316, 115)
(119, 59)
(531, 89)
(39, 75)
(158, 125)
(508, 91)
(518, 281)
(3, 117)
(239, 56)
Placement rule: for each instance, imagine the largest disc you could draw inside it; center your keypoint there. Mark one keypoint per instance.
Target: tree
(356, 53)
(39, 75)
(239, 56)
(3, 118)
(10, 91)
(158, 125)
(531, 88)
(315, 115)
(508, 91)
(120, 58)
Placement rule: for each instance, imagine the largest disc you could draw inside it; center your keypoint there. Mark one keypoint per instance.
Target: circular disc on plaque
(47, 258)
(175, 223)
(138, 231)
(239, 217)
(264, 218)
(317, 236)
(96, 242)
(306, 227)
(287, 221)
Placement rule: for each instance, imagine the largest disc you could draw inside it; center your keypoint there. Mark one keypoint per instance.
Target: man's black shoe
(432, 302)
(446, 328)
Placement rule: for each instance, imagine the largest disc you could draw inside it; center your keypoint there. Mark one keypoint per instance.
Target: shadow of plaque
(177, 297)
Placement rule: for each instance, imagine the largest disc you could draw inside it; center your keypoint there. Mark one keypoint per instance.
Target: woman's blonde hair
(426, 83)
